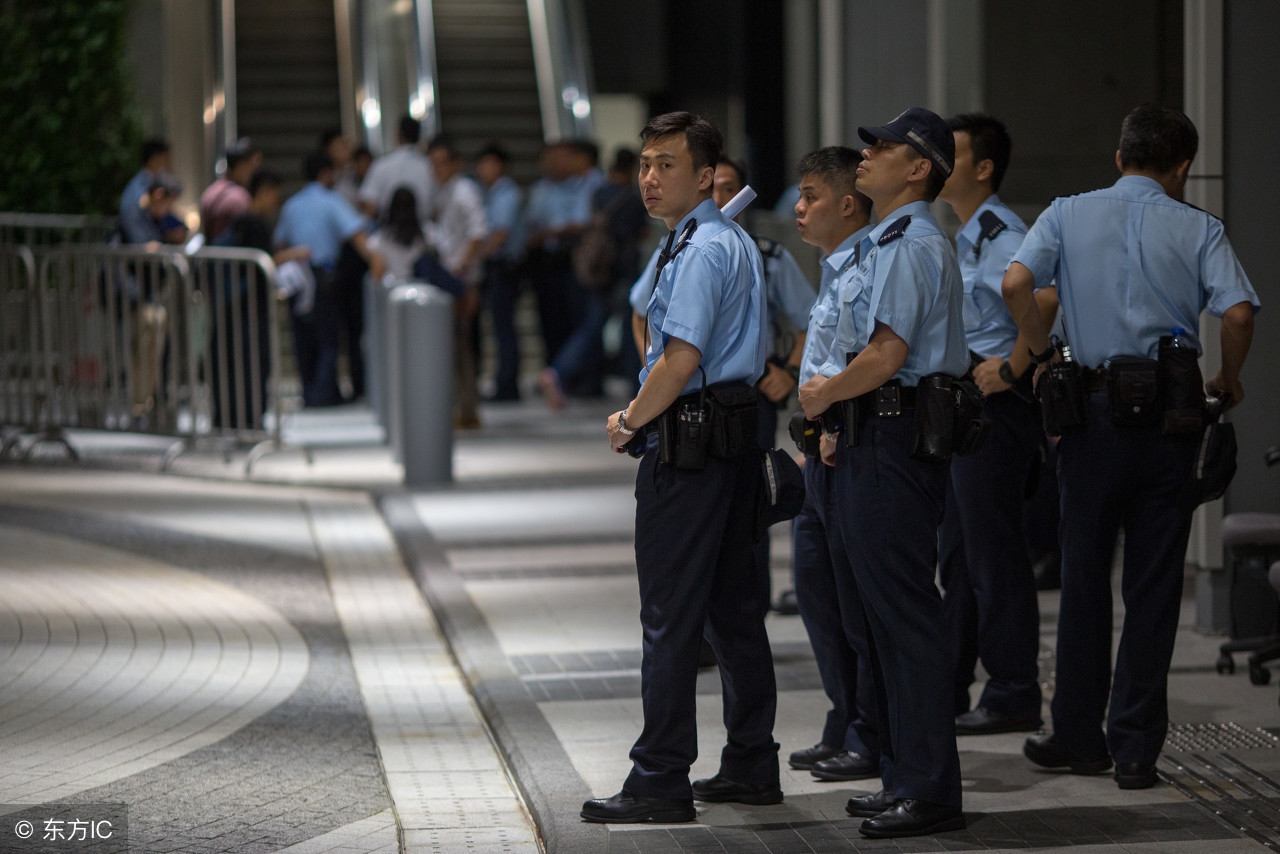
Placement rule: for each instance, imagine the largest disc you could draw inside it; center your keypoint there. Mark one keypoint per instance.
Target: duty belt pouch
(935, 419)
(692, 434)
(1183, 387)
(667, 437)
(805, 433)
(734, 416)
(1062, 397)
(971, 428)
(1133, 386)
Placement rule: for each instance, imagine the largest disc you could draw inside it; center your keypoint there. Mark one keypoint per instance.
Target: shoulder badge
(991, 224)
(896, 229)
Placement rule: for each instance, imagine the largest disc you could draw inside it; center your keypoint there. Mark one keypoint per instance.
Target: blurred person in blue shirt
(500, 289)
(320, 220)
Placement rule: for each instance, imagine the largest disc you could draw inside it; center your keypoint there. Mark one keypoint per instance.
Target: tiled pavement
(247, 667)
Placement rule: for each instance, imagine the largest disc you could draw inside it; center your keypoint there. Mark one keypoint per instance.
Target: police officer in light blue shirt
(984, 562)
(319, 218)
(1132, 264)
(502, 202)
(832, 215)
(695, 511)
(900, 313)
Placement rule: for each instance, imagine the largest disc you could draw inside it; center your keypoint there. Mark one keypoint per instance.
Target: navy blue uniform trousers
(990, 599)
(696, 572)
(1112, 478)
(889, 507)
(828, 600)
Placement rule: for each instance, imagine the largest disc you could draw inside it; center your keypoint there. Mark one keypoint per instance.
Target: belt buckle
(888, 401)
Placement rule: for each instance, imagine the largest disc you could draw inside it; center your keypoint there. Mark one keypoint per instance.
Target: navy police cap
(923, 130)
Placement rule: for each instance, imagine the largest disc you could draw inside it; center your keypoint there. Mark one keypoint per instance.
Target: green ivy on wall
(69, 125)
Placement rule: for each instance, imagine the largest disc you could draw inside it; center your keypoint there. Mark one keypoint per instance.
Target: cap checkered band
(934, 154)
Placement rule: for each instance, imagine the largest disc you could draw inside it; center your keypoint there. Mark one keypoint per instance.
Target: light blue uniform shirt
(825, 313)
(788, 292)
(912, 285)
(551, 205)
(711, 295)
(320, 219)
(1131, 264)
(988, 326)
(502, 212)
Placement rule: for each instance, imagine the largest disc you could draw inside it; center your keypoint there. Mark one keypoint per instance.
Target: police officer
(990, 599)
(832, 215)
(789, 296)
(1132, 262)
(900, 314)
(319, 218)
(706, 324)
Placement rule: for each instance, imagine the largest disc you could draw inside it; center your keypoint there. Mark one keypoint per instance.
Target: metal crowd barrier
(119, 338)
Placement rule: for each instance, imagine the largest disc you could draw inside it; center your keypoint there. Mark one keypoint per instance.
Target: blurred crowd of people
(424, 211)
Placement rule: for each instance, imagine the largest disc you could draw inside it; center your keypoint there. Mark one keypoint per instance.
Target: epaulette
(1202, 210)
(896, 229)
(991, 224)
(768, 248)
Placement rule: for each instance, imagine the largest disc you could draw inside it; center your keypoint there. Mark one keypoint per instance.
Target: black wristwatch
(1041, 358)
(1006, 373)
(794, 371)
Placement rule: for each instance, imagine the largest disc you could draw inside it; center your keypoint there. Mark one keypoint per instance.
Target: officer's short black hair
(315, 163)
(624, 160)
(263, 178)
(239, 151)
(703, 138)
(494, 149)
(1157, 139)
(410, 130)
(739, 166)
(362, 151)
(836, 165)
(329, 135)
(988, 140)
(585, 147)
(443, 142)
(153, 147)
(935, 181)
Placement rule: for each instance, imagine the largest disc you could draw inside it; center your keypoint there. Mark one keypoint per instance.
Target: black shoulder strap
(991, 226)
(895, 230)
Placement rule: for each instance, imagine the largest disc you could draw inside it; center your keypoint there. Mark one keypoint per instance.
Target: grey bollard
(378, 353)
(420, 382)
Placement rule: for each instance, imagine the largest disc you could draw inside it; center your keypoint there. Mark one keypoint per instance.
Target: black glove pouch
(1133, 386)
(1062, 397)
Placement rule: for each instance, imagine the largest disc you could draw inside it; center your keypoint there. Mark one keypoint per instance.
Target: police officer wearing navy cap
(900, 320)
(695, 511)
(1133, 263)
(985, 567)
(832, 215)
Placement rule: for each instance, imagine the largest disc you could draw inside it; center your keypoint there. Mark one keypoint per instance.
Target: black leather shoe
(719, 790)
(846, 766)
(984, 721)
(803, 760)
(1135, 775)
(626, 808)
(1047, 753)
(866, 806)
(909, 817)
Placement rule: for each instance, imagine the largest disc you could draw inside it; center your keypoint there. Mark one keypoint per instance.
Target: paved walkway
(250, 666)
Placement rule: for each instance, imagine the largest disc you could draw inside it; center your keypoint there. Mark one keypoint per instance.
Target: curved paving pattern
(111, 664)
